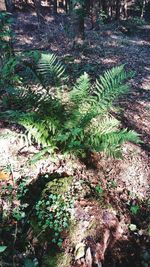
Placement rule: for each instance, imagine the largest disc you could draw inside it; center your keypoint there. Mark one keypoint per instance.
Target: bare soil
(125, 181)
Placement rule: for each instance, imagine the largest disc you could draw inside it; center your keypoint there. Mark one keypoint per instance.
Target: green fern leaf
(111, 85)
(51, 71)
(81, 89)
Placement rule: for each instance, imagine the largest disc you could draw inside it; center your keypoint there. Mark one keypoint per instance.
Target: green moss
(59, 260)
(50, 261)
(58, 185)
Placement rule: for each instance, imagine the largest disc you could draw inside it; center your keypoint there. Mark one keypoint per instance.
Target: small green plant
(99, 189)
(111, 184)
(132, 24)
(137, 21)
(2, 248)
(49, 70)
(6, 53)
(23, 188)
(7, 197)
(8, 75)
(102, 17)
(148, 230)
(17, 70)
(18, 212)
(54, 212)
(5, 36)
(134, 209)
(86, 113)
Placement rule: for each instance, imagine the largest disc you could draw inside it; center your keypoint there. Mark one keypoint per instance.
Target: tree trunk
(55, 6)
(78, 23)
(143, 9)
(70, 6)
(95, 14)
(50, 4)
(9, 5)
(126, 9)
(118, 6)
(37, 4)
(87, 6)
(2, 5)
(105, 7)
(66, 6)
(78, 29)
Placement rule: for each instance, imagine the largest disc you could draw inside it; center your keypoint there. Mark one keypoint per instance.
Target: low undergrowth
(85, 110)
(56, 116)
(45, 213)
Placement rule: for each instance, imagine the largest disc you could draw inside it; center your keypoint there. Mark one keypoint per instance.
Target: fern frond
(109, 86)
(112, 142)
(22, 99)
(119, 137)
(81, 89)
(42, 130)
(50, 69)
(79, 123)
(109, 140)
(95, 126)
(104, 125)
(81, 102)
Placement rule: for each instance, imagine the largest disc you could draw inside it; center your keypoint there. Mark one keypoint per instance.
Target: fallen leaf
(79, 251)
(4, 175)
(132, 227)
(88, 257)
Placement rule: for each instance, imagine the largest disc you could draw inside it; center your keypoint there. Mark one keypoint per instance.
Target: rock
(106, 33)
(110, 220)
(132, 227)
(88, 257)
(83, 203)
(79, 251)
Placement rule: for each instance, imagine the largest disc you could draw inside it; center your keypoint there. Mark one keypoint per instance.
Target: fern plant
(77, 120)
(50, 70)
(5, 36)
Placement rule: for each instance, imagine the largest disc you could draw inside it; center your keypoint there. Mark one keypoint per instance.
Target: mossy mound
(59, 260)
(58, 186)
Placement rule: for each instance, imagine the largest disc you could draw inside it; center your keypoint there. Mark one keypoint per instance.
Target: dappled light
(74, 133)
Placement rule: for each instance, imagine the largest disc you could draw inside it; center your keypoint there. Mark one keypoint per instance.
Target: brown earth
(103, 220)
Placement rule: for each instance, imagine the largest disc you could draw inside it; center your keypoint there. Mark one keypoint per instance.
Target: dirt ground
(104, 49)
(124, 180)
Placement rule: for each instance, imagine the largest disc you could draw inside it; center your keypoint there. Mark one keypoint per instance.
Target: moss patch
(59, 260)
(58, 186)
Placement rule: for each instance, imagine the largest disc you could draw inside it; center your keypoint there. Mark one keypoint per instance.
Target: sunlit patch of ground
(122, 180)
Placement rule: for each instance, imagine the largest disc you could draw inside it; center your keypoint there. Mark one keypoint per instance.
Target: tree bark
(94, 18)
(105, 7)
(143, 9)
(55, 7)
(3, 5)
(118, 6)
(126, 9)
(9, 5)
(78, 23)
(37, 4)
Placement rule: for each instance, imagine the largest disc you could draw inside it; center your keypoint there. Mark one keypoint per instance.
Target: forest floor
(106, 223)
(103, 49)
